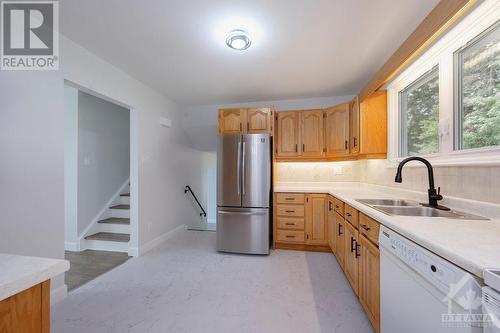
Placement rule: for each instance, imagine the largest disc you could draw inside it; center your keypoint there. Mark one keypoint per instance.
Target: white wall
(103, 155)
(166, 160)
(200, 122)
(32, 164)
(70, 167)
(32, 154)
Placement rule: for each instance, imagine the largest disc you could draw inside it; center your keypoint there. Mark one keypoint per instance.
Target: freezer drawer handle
(240, 213)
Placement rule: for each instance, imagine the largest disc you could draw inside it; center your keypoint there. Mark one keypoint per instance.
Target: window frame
(402, 105)
(442, 54)
(457, 89)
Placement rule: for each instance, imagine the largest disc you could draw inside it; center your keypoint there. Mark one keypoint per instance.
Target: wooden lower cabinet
(340, 236)
(321, 222)
(27, 311)
(357, 252)
(351, 255)
(369, 280)
(332, 236)
(301, 221)
(316, 219)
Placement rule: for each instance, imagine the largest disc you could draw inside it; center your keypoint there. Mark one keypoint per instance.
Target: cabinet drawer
(290, 223)
(290, 210)
(290, 198)
(369, 227)
(351, 215)
(290, 236)
(339, 206)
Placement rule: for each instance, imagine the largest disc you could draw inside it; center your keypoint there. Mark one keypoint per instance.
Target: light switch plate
(165, 122)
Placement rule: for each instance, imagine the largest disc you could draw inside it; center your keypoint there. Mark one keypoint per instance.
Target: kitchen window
(446, 104)
(477, 76)
(419, 107)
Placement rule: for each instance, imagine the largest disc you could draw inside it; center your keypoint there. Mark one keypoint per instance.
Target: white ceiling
(301, 48)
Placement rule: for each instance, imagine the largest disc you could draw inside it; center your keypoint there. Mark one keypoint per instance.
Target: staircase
(112, 230)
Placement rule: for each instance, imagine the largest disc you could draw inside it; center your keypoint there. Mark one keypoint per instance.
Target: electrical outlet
(338, 170)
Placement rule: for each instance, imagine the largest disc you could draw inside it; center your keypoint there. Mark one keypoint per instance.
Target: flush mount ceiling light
(238, 40)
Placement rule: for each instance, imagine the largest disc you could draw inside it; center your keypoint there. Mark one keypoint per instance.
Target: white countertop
(472, 245)
(18, 273)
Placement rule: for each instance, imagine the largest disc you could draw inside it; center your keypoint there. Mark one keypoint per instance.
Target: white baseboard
(136, 252)
(71, 246)
(58, 294)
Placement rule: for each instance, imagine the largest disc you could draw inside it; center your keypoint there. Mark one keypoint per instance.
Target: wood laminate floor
(89, 264)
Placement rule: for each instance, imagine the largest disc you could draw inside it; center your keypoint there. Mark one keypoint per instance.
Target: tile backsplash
(317, 171)
(467, 182)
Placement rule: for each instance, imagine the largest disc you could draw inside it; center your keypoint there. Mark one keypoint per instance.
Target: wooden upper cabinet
(231, 121)
(312, 133)
(288, 136)
(316, 219)
(259, 120)
(369, 280)
(373, 124)
(337, 130)
(354, 126)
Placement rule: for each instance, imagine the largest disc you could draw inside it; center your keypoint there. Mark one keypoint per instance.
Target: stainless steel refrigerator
(243, 193)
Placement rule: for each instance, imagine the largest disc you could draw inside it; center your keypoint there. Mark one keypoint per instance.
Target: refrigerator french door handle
(243, 169)
(238, 166)
(240, 213)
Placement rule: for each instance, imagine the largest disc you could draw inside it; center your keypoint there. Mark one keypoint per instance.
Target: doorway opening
(99, 198)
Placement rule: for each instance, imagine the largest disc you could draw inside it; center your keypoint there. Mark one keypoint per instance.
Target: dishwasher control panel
(435, 269)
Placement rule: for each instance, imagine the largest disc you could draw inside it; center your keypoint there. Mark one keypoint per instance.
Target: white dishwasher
(422, 292)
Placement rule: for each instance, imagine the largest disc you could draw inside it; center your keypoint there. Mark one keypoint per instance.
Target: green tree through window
(420, 115)
(479, 91)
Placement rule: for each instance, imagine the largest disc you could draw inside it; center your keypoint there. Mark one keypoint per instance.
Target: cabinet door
(373, 124)
(288, 135)
(340, 239)
(354, 126)
(316, 220)
(337, 130)
(332, 231)
(351, 256)
(231, 121)
(259, 120)
(312, 133)
(369, 280)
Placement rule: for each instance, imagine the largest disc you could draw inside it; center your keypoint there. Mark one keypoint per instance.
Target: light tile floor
(186, 286)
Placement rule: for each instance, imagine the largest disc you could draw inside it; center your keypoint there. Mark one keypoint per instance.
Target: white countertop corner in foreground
(18, 273)
(471, 245)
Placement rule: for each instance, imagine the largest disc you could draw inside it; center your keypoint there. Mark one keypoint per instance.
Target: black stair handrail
(188, 189)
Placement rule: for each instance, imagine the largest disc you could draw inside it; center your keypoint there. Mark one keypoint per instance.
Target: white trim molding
(442, 54)
(142, 249)
(58, 294)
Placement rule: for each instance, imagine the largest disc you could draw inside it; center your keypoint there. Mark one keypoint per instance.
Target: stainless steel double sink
(413, 208)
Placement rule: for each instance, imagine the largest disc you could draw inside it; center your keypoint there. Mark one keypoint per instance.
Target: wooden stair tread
(109, 236)
(115, 220)
(120, 207)
(125, 195)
